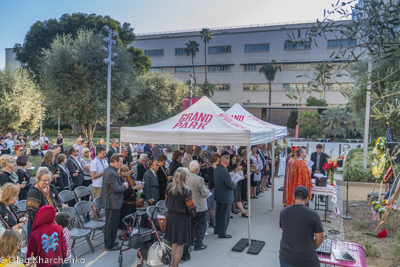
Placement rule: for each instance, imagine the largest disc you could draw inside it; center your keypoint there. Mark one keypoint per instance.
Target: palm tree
(269, 70)
(337, 122)
(191, 49)
(308, 122)
(206, 35)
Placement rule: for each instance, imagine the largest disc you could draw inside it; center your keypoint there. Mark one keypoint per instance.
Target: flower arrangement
(381, 234)
(341, 157)
(331, 166)
(377, 210)
(381, 160)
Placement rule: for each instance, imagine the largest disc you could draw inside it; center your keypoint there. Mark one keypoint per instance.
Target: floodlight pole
(41, 117)
(58, 121)
(109, 92)
(367, 110)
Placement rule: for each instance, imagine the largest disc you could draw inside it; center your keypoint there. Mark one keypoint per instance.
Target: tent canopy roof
(202, 123)
(242, 115)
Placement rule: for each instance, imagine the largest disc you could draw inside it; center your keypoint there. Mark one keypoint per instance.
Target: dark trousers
(222, 218)
(198, 229)
(112, 221)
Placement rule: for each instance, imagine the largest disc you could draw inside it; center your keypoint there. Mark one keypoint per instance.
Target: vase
(331, 175)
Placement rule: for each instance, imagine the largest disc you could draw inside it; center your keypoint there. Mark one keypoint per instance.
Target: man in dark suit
(111, 197)
(151, 186)
(114, 149)
(74, 166)
(223, 189)
(157, 151)
(319, 158)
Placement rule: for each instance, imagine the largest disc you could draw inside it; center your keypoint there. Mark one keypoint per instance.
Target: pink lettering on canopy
(197, 120)
(182, 119)
(193, 125)
(231, 121)
(238, 117)
(258, 120)
(176, 125)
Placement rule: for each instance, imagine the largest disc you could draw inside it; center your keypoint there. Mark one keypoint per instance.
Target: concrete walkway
(264, 226)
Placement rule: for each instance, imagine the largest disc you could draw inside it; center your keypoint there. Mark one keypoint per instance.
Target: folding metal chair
(81, 192)
(76, 233)
(21, 206)
(82, 208)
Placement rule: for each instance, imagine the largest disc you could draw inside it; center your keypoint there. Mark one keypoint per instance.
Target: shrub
(355, 171)
(370, 250)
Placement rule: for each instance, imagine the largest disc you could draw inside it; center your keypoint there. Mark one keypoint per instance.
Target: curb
(344, 183)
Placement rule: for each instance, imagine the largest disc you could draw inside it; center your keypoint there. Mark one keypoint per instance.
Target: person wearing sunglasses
(114, 149)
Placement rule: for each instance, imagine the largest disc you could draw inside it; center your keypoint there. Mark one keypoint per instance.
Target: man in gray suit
(151, 185)
(111, 196)
(223, 189)
(157, 151)
(200, 194)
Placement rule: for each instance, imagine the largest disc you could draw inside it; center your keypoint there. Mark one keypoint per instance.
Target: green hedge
(354, 171)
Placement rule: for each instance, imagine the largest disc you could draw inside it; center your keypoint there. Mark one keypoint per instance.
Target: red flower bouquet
(382, 234)
(331, 166)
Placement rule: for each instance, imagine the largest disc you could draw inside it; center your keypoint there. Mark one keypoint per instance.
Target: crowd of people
(203, 186)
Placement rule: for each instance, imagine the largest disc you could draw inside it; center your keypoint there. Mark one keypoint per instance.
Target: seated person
(45, 147)
(7, 212)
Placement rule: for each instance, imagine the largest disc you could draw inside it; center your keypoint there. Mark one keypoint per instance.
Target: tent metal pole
(248, 191)
(272, 173)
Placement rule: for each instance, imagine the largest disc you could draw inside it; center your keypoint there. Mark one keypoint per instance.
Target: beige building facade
(234, 56)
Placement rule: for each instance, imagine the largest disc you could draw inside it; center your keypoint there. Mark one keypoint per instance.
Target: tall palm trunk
(269, 101)
(194, 73)
(205, 59)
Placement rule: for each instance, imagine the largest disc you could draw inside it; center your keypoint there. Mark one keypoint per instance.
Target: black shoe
(113, 248)
(322, 199)
(245, 215)
(200, 248)
(268, 186)
(225, 236)
(234, 212)
(116, 244)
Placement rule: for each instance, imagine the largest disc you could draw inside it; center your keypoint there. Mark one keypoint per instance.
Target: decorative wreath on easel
(381, 160)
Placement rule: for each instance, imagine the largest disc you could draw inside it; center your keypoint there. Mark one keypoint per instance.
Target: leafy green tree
(206, 35)
(156, 97)
(315, 102)
(141, 62)
(206, 89)
(337, 122)
(74, 80)
(269, 70)
(292, 120)
(308, 122)
(42, 33)
(19, 98)
(191, 49)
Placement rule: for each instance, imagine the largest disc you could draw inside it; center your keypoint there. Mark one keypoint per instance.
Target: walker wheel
(166, 260)
(120, 260)
(139, 265)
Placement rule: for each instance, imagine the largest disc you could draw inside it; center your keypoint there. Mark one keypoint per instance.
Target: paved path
(264, 226)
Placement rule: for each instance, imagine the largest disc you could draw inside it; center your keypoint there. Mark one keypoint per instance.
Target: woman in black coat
(24, 178)
(142, 167)
(176, 162)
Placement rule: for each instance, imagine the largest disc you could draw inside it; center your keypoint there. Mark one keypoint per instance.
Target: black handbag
(135, 241)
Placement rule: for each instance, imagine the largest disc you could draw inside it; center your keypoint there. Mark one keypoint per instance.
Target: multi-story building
(234, 56)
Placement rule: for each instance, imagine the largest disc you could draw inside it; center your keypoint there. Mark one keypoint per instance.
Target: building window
(255, 86)
(150, 53)
(157, 70)
(342, 86)
(254, 104)
(223, 104)
(295, 86)
(180, 51)
(340, 43)
(219, 68)
(298, 46)
(296, 66)
(256, 47)
(293, 105)
(184, 69)
(219, 49)
(222, 87)
(250, 67)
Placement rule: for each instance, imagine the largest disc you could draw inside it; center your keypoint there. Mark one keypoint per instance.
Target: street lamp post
(41, 117)
(191, 87)
(110, 42)
(58, 121)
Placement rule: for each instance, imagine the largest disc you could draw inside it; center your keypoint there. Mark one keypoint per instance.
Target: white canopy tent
(205, 124)
(241, 114)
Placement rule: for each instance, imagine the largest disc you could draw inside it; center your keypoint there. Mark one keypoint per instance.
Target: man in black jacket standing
(319, 158)
(114, 149)
(223, 189)
(111, 198)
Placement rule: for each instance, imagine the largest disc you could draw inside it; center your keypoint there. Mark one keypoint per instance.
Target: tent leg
(272, 173)
(249, 192)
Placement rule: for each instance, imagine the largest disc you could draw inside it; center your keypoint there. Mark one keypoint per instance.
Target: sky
(16, 17)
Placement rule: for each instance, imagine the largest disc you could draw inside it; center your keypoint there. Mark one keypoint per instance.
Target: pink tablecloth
(356, 249)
